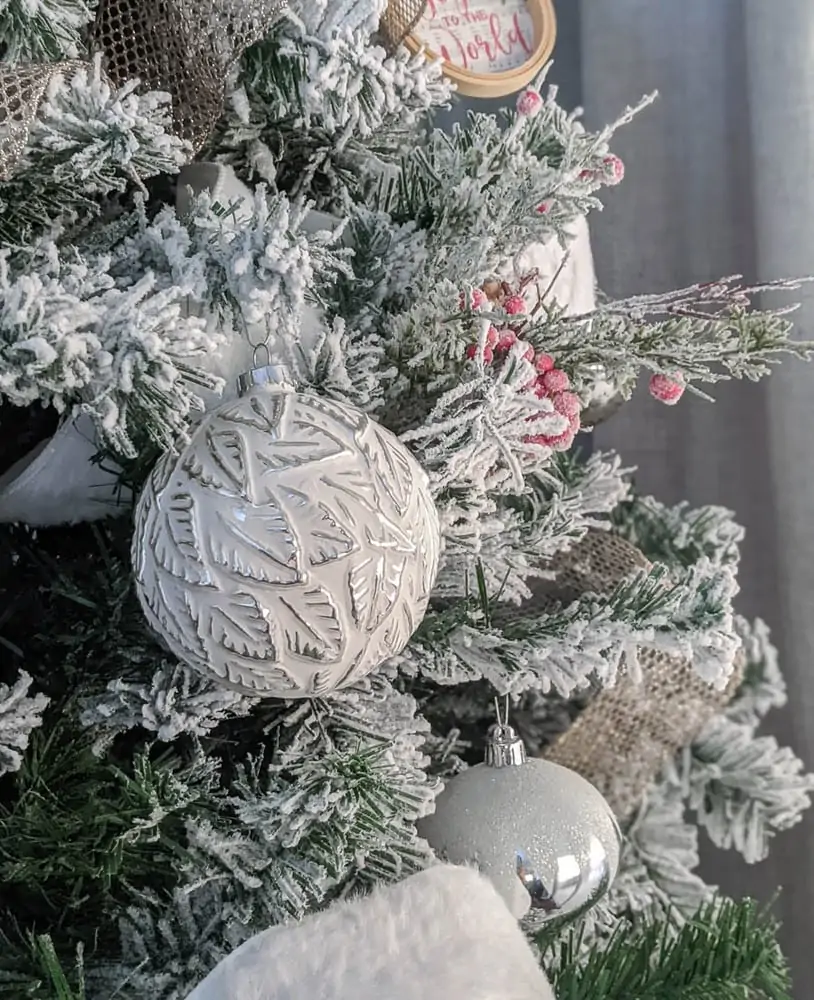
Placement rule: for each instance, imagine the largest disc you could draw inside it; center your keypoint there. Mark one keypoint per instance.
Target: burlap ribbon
(628, 732)
(182, 47)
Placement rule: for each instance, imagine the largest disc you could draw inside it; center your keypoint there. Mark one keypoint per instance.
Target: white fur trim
(443, 934)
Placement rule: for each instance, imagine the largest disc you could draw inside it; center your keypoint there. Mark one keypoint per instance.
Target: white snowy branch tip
(20, 714)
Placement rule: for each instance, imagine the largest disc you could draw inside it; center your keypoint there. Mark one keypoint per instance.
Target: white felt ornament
(61, 481)
(234, 355)
(443, 934)
(545, 836)
(290, 548)
(566, 278)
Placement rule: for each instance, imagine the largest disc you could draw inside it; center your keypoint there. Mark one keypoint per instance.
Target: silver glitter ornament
(546, 837)
(290, 548)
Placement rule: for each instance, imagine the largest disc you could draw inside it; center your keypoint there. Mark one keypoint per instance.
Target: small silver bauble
(546, 837)
(292, 545)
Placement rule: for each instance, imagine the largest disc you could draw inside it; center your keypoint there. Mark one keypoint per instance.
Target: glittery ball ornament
(291, 546)
(546, 837)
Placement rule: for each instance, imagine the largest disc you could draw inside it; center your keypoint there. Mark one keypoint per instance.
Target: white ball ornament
(545, 836)
(290, 548)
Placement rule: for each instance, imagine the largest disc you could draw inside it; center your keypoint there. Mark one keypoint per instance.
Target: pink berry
(476, 299)
(529, 102)
(515, 305)
(544, 207)
(566, 403)
(562, 442)
(488, 353)
(508, 338)
(539, 387)
(613, 170)
(528, 354)
(556, 381)
(587, 175)
(544, 363)
(492, 336)
(667, 389)
(558, 442)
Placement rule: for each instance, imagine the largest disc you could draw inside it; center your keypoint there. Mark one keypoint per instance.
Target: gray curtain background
(720, 180)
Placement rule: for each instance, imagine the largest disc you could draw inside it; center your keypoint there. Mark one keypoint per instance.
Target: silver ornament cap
(504, 748)
(269, 376)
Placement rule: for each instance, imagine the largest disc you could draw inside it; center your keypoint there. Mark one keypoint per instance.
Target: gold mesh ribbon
(22, 89)
(628, 732)
(398, 20)
(183, 47)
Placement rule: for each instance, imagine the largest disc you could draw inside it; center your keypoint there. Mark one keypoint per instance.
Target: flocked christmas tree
(161, 237)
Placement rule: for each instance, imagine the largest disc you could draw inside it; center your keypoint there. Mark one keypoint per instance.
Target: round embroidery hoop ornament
(515, 37)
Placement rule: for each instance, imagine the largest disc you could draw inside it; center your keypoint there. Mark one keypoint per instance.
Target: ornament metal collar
(504, 748)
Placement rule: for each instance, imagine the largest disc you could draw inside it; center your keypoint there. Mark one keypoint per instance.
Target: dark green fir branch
(728, 951)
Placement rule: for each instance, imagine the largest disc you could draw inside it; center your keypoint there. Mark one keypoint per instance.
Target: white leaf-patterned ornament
(290, 548)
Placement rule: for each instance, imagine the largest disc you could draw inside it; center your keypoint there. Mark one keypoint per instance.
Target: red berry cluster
(552, 383)
(549, 383)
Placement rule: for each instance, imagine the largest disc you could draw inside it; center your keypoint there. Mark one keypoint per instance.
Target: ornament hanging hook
(256, 355)
(502, 720)
(504, 748)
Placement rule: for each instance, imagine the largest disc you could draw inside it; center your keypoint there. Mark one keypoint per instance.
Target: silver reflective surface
(576, 884)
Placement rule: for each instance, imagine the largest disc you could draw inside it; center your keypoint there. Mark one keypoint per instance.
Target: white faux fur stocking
(443, 934)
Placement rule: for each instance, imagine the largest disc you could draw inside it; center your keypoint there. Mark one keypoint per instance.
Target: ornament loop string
(257, 350)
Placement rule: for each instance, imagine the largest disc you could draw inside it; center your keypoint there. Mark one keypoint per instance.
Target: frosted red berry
(666, 389)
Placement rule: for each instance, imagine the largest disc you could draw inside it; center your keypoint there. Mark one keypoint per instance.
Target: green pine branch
(679, 536)
(728, 951)
(79, 832)
(43, 32)
(703, 334)
(32, 969)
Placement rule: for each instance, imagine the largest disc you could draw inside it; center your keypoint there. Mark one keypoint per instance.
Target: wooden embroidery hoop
(488, 85)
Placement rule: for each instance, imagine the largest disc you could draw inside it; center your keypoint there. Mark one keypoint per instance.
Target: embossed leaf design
(359, 503)
(256, 543)
(302, 439)
(389, 466)
(331, 413)
(167, 608)
(389, 586)
(362, 586)
(428, 551)
(174, 538)
(214, 458)
(374, 584)
(235, 622)
(260, 677)
(169, 530)
(318, 528)
(262, 411)
(400, 627)
(310, 624)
